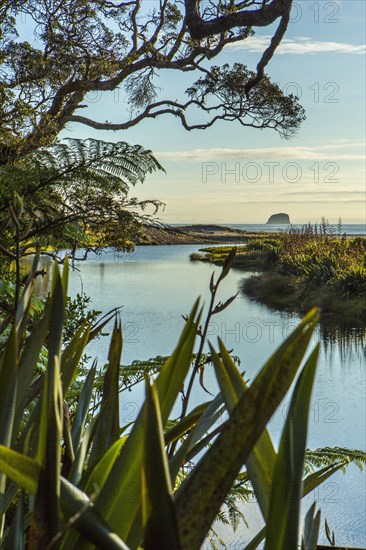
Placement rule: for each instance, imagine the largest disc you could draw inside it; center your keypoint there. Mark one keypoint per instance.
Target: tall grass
(319, 257)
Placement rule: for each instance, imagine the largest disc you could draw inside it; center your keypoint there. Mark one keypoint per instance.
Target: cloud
(307, 201)
(298, 46)
(343, 192)
(320, 152)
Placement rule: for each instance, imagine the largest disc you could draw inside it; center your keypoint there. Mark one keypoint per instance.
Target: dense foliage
(74, 477)
(320, 257)
(71, 195)
(71, 476)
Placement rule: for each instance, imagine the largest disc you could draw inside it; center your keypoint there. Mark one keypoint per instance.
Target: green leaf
(45, 518)
(71, 355)
(186, 424)
(102, 323)
(260, 463)
(310, 483)
(190, 447)
(8, 388)
(82, 409)
(20, 468)
(173, 373)
(80, 510)
(119, 500)
(283, 517)
(21, 315)
(160, 524)
(78, 465)
(107, 429)
(15, 537)
(8, 391)
(311, 529)
(69, 454)
(201, 494)
(329, 534)
(255, 542)
(98, 475)
(11, 491)
(27, 364)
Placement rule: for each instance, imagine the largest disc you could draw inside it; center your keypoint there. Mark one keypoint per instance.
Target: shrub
(320, 258)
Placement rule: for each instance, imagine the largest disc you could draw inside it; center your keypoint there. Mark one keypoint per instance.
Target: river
(156, 285)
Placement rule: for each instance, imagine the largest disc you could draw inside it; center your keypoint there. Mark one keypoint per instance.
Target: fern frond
(83, 158)
(135, 373)
(82, 182)
(328, 456)
(79, 163)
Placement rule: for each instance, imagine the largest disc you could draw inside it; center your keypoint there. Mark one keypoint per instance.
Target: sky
(230, 174)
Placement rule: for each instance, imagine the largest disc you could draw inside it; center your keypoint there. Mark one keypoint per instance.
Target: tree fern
(78, 165)
(130, 375)
(119, 164)
(75, 194)
(328, 456)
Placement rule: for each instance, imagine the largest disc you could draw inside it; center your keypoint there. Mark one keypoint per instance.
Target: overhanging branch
(262, 17)
(268, 54)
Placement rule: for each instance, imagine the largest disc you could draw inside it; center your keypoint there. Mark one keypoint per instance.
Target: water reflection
(339, 337)
(156, 285)
(344, 338)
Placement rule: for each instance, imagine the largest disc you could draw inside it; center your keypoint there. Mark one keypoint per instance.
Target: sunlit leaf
(20, 468)
(201, 494)
(160, 524)
(260, 463)
(119, 500)
(284, 511)
(107, 429)
(46, 509)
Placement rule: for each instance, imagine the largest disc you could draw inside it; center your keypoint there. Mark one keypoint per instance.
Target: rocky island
(280, 218)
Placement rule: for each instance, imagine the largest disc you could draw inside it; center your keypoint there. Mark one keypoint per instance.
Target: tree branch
(96, 56)
(268, 54)
(267, 14)
(7, 252)
(260, 111)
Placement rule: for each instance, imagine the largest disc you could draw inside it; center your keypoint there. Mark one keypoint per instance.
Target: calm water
(156, 285)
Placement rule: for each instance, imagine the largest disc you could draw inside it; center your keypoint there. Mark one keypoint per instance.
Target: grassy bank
(288, 293)
(303, 268)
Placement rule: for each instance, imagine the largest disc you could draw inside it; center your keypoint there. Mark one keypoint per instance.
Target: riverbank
(288, 293)
(245, 259)
(206, 234)
(299, 271)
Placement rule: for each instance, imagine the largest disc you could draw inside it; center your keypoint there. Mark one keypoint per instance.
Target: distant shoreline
(191, 234)
(207, 234)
